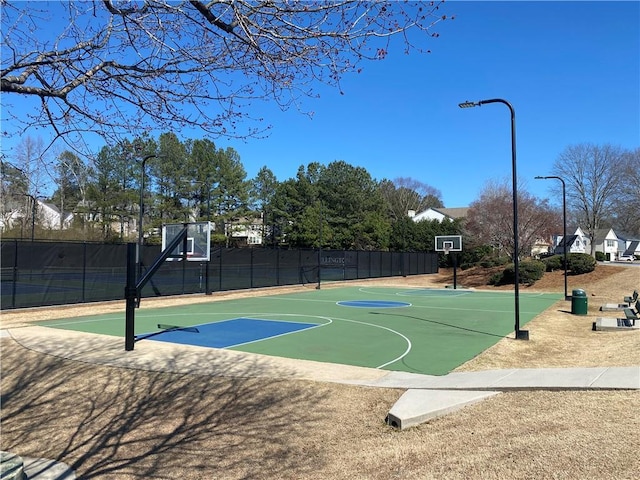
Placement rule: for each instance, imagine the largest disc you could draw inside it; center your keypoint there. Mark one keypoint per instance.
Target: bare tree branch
(594, 176)
(120, 67)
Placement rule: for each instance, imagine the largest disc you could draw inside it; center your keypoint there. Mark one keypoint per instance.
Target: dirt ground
(117, 423)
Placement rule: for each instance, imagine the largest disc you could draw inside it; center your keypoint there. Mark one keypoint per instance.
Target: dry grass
(111, 423)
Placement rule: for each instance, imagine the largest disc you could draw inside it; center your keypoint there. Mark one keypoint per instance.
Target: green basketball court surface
(420, 330)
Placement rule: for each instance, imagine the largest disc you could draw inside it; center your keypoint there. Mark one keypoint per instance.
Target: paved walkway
(610, 378)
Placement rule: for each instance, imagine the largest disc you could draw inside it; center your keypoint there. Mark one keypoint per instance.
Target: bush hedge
(530, 272)
(555, 262)
(580, 263)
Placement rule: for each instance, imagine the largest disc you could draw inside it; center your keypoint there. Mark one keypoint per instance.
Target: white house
(540, 247)
(247, 231)
(606, 241)
(49, 216)
(441, 214)
(627, 245)
(576, 243)
(9, 218)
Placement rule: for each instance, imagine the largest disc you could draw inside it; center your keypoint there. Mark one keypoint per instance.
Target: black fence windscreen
(58, 273)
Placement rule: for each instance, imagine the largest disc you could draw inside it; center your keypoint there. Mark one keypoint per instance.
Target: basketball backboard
(448, 243)
(198, 240)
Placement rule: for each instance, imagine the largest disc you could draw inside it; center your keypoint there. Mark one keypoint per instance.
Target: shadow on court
(435, 322)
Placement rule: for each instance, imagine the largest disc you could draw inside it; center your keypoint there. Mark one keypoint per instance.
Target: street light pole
(207, 289)
(564, 229)
(33, 214)
(141, 209)
(519, 334)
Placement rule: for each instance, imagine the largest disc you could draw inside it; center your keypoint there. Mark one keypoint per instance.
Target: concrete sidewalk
(429, 396)
(594, 378)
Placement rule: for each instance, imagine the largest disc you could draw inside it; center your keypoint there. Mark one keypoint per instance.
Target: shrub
(496, 279)
(600, 257)
(580, 263)
(530, 272)
(494, 262)
(554, 263)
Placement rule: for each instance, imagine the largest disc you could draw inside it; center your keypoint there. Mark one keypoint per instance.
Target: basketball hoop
(447, 244)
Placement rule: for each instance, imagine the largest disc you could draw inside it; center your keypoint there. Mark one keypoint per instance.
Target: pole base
(522, 335)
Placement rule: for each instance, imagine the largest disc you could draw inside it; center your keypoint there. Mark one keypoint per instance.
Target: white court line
(329, 321)
(286, 333)
(404, 354)
(243, 314)
(405, 292)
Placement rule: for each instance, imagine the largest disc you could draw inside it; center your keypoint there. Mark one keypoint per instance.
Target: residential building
(576, 243)
(441, 214)
(627, 245)
(606, 241)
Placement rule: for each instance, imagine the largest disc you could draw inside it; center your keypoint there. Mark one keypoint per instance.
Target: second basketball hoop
(450, 244)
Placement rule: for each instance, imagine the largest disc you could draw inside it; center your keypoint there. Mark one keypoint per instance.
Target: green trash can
(579, 302)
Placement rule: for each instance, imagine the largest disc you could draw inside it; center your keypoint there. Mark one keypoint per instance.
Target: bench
(607, 307)
(633, 298)
(631, 315)
(626, 323)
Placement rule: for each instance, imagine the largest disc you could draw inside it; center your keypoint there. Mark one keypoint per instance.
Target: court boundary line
(319, 325)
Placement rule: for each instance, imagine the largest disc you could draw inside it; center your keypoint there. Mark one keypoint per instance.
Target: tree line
(123, 70)
(328, 206)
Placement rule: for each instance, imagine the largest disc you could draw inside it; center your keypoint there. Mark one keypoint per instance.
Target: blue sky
(570, 69)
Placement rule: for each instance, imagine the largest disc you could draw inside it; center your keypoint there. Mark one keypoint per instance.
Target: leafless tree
(35, 163)
(490, 219)
(117, 67)
(404, 194)
(627, 216)
(594, 177)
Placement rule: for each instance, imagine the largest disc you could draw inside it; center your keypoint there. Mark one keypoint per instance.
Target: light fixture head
(468, 104)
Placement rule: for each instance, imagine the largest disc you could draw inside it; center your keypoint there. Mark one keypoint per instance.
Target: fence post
(14, 274)
(84, 271)
(251, 272)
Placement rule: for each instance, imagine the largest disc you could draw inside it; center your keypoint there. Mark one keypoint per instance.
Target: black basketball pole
(455, 270)
(131, 296)
(133, 287)
(320, 250)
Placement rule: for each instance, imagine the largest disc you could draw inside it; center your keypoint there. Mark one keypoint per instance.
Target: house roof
(626, 237)
(454, 213)
(570, 240)
(457, 212)
(602, 233)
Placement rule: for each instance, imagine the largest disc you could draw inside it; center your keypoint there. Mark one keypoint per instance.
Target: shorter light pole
(141, 208)
(34, 205)
(564, 229)
(207, 289)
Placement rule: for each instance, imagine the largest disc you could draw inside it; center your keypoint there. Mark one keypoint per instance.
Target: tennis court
(420, 330)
